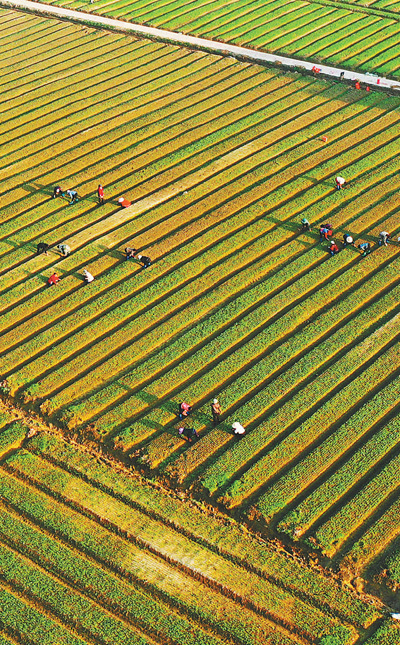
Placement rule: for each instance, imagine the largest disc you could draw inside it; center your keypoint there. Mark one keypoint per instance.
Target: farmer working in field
(325, 231)
(238, 429)
(73, 195)
(42, 248)
(184, 409)
(340, 183)
(144, 260)
(130, 253)
(100, 194)
(53, 280)
(189, 434)
(125, 203)
(216, 411)
(383, 238)
(58, 192)
(333, 248)
(365, 247)
(64, 249)
(348, 240)
(87, 276)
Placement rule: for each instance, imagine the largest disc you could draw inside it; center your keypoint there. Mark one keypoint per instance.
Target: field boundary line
(211, 46)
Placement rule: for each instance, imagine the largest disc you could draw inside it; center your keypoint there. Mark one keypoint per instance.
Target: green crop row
(5, 416)
(175, 547)
(172, 283)
(392, 563)
(329, 492)
(296, 344)
(216, 375)
(331, 535)
(312, 428)
(190, 596)
(217, 318)
(35, 626)
(309, 44)
(374, 539)
(11, 436)
(250, 25)
(234, 335)
(222, 470)
(228, 540)
(64, 602)
(121, 598)
(386, 634)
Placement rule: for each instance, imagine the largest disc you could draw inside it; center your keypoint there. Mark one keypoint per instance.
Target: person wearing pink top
(184, 409)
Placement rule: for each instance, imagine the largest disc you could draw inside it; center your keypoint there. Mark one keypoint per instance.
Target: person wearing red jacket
(333, 248)
(53, 279)
(100, 194)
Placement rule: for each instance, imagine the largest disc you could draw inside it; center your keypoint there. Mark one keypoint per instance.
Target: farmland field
(360, 35)
(221, 159)
(88, 555)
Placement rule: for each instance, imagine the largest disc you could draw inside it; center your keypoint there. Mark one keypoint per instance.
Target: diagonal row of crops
(88, 556)
(347, 34)
(221, 160)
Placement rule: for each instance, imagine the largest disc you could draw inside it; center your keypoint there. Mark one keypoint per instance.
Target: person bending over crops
(238, 429)
(124, 203)
(189, 434)
(340, 183)
(184, 409)
(130, 253)
(73, 195)
(348, 240)
(42, 248)
(100, 194)
(216, 411)
(333, 248)
(365, 247)
(383, 238)
(64, 249)
(58, 192)
(87, 276)
(325, 231)
(144, 260)
(53, 280)
(305, 225)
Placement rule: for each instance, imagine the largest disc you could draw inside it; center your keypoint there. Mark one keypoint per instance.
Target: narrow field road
(211, 46)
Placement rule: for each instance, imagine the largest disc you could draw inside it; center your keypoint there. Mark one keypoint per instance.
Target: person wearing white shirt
(238, 428)
(87, 276)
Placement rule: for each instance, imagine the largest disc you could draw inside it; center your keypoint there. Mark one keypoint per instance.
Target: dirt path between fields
(211, 46)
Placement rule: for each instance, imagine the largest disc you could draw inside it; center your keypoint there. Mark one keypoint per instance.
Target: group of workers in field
(65, 250)
(190, 434)
(325, 232)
